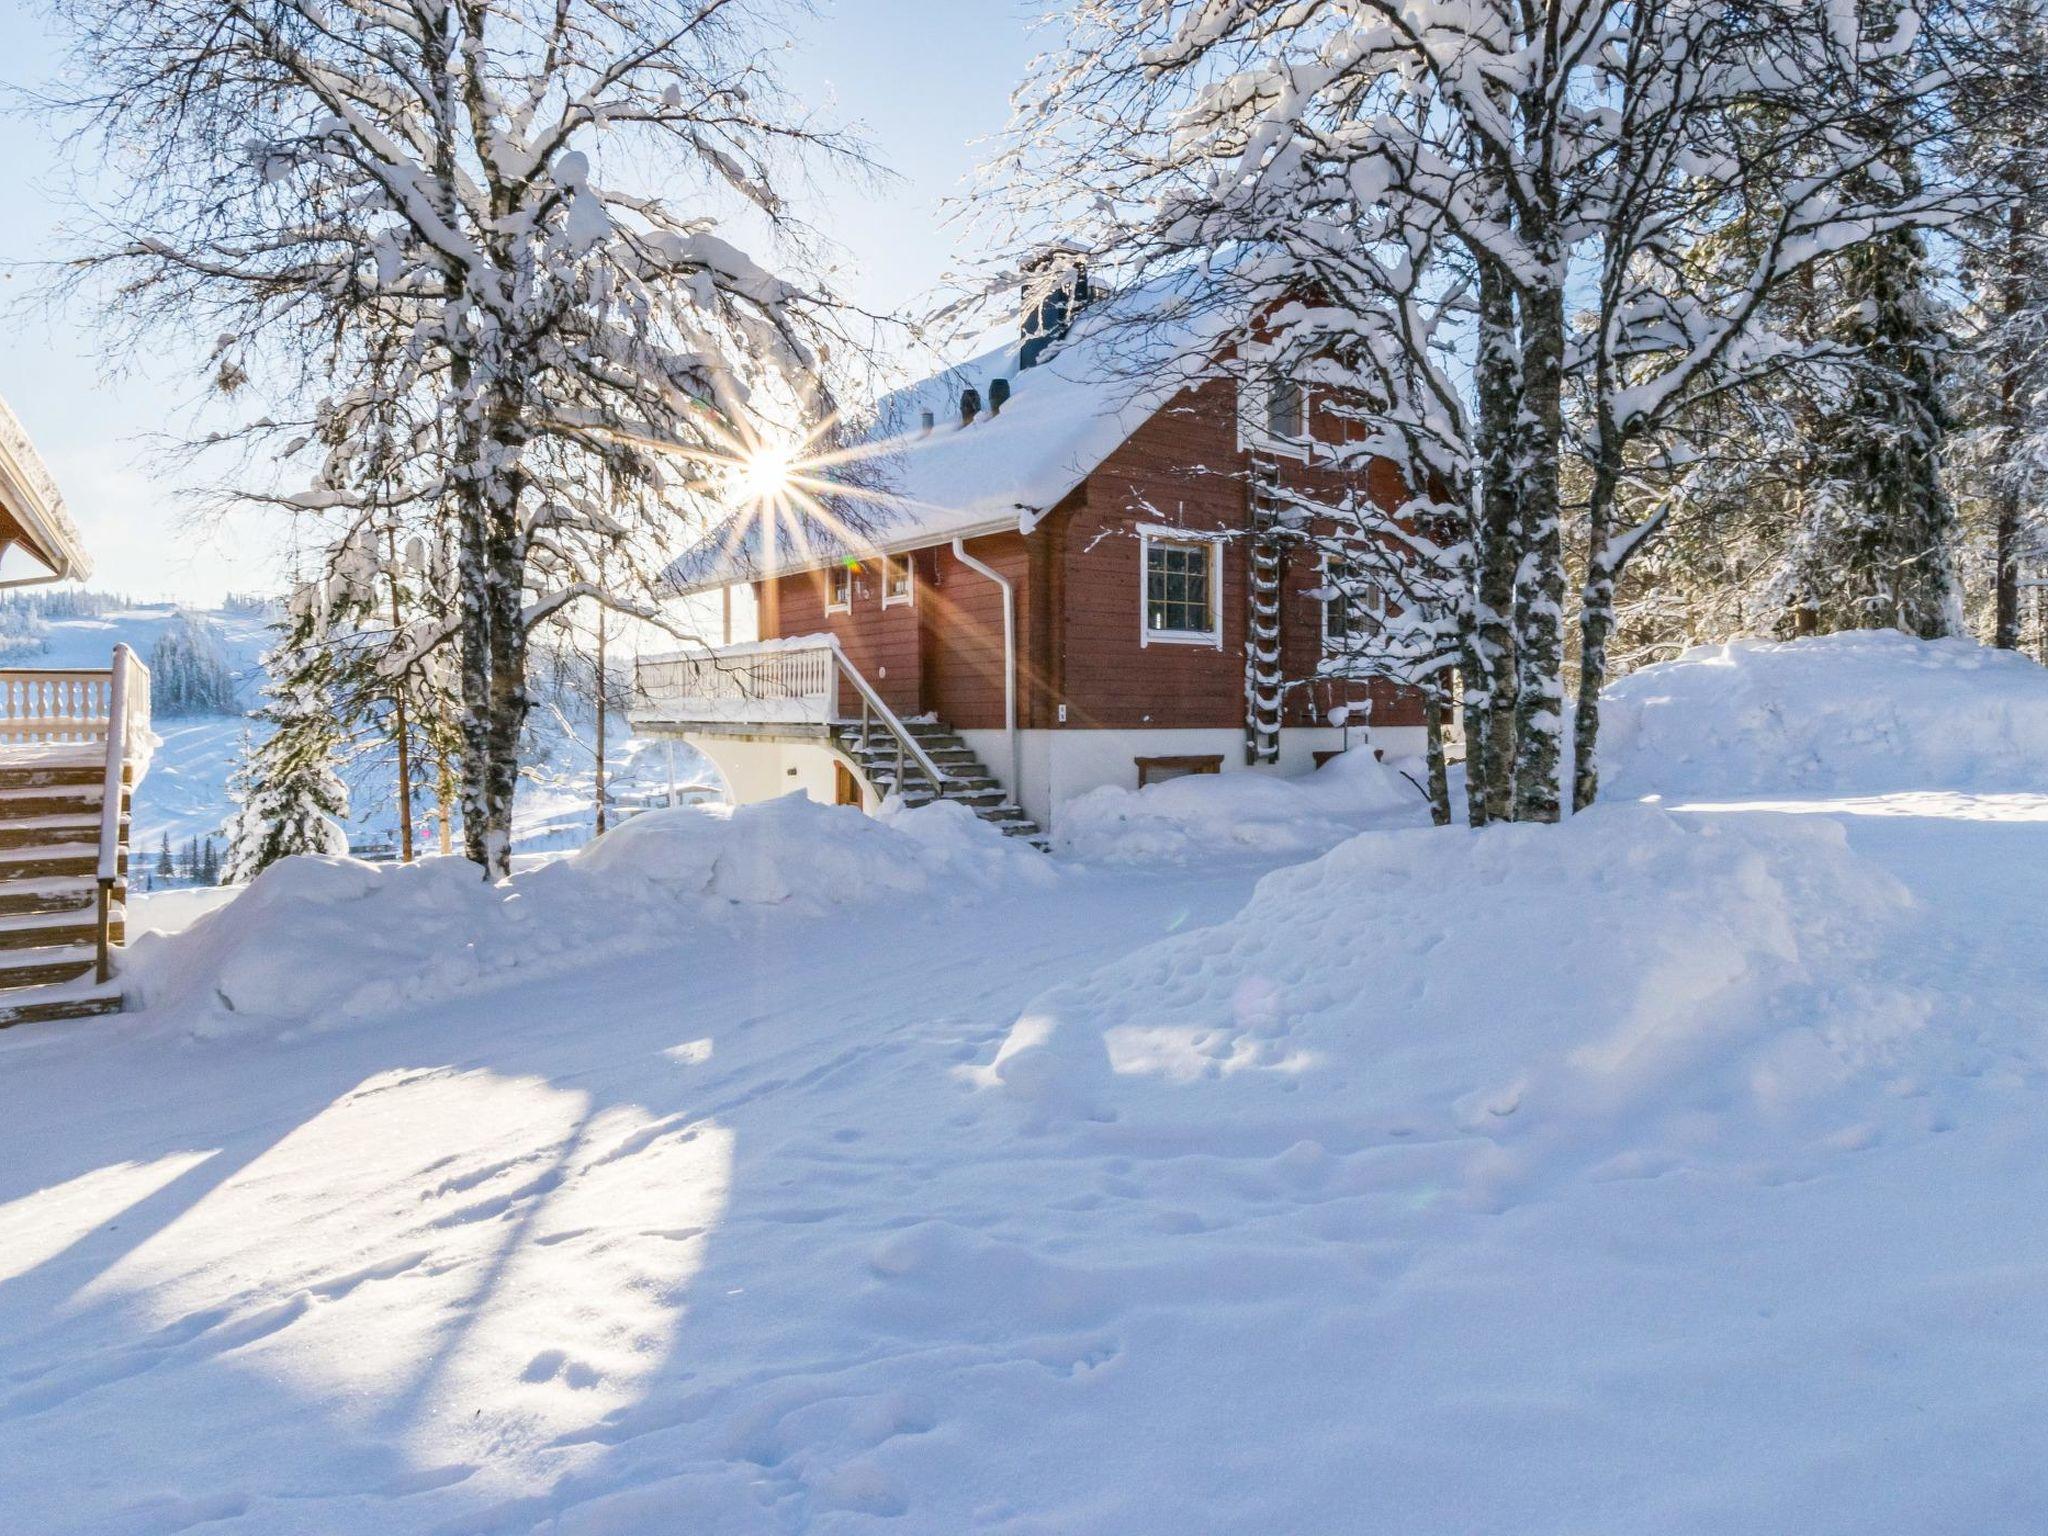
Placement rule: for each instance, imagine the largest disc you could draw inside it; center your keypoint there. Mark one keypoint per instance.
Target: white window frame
(1253, 430)
(908, 598)
(1213, 636)
(832, 574)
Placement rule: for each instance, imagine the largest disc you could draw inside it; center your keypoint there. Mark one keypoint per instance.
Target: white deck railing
(768, 683)
(773, 682)
(43, 707)
(128, 738)
(43, 704)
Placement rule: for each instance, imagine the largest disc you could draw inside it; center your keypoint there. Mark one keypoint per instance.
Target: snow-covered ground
(1677, 1170)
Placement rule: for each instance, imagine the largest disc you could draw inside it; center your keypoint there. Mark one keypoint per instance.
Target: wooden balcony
(790, 684)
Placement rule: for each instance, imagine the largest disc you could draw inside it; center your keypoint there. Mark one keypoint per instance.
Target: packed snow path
(1726, 1218)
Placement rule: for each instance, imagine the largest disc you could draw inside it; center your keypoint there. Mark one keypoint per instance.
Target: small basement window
(1157, 770)
(899, 580)
(839, 595)
(1181, 581)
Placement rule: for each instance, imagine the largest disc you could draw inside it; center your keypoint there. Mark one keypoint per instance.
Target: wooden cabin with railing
(73, 746)
(1068, 575)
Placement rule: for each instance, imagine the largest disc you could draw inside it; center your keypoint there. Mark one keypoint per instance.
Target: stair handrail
(125, 692)
(906, 743)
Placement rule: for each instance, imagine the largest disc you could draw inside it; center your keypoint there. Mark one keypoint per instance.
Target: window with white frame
(899, 580)
(1275, 415)
(839, 594)
(1183, 578)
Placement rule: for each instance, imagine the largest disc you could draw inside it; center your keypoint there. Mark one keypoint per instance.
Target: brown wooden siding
(1079, 587)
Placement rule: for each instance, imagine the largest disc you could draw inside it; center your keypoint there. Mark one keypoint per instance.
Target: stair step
(941, 755)
(34, 773)
(43, 862)
(61, 1000)
(63, 894)
(47, 831)
(51, 799)
(45, 930)
(35, 967)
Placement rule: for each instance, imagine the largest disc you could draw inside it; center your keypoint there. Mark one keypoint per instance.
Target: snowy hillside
(1676, 1170)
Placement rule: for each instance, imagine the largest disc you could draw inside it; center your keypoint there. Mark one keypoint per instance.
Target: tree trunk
(1596, 627)
(1490, 756)
(1539, 587)
(2006, 581)
(2006, 625)
(600, 720)
(398, 708)
(1439, 772)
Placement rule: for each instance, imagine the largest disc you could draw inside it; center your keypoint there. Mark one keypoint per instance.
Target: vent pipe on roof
(970, 405)
(1055, 290)
(998, 396)
(928, 422)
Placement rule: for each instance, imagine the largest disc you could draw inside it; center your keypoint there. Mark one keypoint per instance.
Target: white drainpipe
(1009, 663)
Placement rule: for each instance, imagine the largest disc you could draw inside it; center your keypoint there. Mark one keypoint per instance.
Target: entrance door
(846, 786)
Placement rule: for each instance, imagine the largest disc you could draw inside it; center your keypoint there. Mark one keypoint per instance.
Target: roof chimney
(998, 396)
(1055, 290)
(970, 405)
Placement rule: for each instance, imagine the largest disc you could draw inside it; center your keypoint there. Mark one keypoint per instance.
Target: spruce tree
(164, 867)
(288, 798)
(1875, 539)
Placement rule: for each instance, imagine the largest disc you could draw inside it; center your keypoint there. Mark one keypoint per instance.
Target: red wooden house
(1063, 585)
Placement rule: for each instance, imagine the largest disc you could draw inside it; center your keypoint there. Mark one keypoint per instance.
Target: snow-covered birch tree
(469, 253)
(1556, 179)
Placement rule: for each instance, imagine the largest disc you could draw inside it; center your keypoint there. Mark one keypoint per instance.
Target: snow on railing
(769, 682)
(44, 704)
(792, 681)
(128, 737)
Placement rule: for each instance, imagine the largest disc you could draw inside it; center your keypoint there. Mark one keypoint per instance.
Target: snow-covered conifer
(288, 797)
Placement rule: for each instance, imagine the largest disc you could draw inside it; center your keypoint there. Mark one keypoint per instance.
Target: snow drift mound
(1204, 814)
(328, 938)
(1632, 985)
(1870, 712)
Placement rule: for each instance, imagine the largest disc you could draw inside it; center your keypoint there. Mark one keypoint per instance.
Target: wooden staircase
(967, 780)
(63, 850)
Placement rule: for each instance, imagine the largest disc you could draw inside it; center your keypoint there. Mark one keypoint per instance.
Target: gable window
(1182, 578)
(899, 580)
(839, 594)
(1286, 408)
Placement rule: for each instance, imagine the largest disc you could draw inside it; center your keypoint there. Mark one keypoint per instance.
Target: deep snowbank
(1634, 985)
(328, 939)
(1869, 712)
(1204, 815)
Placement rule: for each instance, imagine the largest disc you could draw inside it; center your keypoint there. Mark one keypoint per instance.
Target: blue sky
(923, 80)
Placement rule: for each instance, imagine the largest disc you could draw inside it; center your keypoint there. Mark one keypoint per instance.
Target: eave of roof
(1001, 471)
(30, 497)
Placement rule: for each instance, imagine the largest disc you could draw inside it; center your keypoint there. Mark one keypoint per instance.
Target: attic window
(1286, 407)
(1274, 413)
(899, 580)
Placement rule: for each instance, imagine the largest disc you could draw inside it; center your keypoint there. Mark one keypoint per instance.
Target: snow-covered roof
(1124, 358)
(30, 497)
